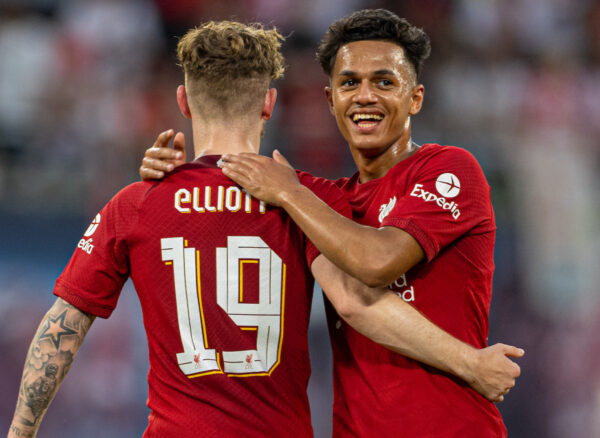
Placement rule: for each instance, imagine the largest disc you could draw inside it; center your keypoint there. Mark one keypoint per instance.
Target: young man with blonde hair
(223, 281)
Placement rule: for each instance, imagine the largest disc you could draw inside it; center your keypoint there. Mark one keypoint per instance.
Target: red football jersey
(440, 196)
(225, 290)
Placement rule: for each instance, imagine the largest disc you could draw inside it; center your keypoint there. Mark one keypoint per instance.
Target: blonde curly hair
(229, 65)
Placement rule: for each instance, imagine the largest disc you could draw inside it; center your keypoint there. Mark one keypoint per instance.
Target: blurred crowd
(85, 87)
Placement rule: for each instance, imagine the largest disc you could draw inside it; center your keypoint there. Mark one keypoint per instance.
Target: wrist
(467, 364)
(15, 431)
(287, 197)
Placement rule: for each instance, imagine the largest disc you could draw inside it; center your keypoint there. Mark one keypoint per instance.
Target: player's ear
(329, 97)
(182, 102)
(416, 101)
(269, 104)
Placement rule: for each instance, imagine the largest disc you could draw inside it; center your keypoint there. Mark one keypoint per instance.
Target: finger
(517, 372)
(156, 164)
(161, 153)
(278, 157)
(150, 174)
(495, 399)
(240, 167)
(179, 144)
(163, 139)
(243, 158)
(237, 177)
(511, 351)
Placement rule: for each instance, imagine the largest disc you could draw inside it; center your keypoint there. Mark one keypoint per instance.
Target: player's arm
(376, 256)
(160, 158)
(385, 318)
(48, 360)
(390, 253)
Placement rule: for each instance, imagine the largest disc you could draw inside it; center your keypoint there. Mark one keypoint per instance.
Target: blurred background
(85, 87)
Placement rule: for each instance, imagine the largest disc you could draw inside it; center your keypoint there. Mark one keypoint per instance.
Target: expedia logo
(452, 206)
(93, 226)
(401, 288)
(448, 185)
(384, 209)
(86, 245)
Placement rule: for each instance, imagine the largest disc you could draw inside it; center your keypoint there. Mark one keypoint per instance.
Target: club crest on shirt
(385, 209)
(249, 361)
(197, 360)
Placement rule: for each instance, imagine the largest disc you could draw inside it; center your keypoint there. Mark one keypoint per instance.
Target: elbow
(346, 308)
(351, 304)
(349, 312)
(374, 280)
(378, 273)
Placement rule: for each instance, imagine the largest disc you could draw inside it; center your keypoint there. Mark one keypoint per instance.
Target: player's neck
(376, 165)
(222, 138)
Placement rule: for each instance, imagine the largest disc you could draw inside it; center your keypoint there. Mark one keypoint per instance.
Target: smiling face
(373, 93)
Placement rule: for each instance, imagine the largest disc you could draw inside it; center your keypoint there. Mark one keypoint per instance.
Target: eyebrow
(380, 72)
(384, 71)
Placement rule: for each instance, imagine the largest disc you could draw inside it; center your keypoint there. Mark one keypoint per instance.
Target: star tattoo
(56, 328)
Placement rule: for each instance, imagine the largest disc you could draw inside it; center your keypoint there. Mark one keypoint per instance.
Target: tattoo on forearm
(55, 329)
(21, 433)
(50, 356)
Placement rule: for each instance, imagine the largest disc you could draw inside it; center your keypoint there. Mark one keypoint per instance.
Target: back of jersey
(225, 291)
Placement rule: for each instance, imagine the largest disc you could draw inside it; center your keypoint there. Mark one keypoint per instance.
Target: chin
(368, 143)
(370, 150)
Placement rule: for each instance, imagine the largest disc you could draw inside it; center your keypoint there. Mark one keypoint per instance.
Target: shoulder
(446, 154)
(317, 184)
(129, 200)
(435, 160)
(134, 193)
(325, 189)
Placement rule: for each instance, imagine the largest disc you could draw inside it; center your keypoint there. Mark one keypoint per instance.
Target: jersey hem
(427, 243)
(70, 294)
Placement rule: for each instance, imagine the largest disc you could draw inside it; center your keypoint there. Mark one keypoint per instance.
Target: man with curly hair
(423, 224)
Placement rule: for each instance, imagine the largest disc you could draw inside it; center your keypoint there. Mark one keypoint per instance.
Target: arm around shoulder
(375, 256)
(386, 319)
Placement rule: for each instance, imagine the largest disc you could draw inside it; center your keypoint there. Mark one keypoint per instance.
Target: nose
(364, 94)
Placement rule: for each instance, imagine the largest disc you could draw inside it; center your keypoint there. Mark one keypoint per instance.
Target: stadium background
(86, 85)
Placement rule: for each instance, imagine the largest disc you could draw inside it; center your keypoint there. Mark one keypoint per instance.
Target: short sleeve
(329, 193)
(445, 197)
(93, 278)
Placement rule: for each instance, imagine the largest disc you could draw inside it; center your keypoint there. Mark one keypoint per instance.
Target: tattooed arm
(48, 360)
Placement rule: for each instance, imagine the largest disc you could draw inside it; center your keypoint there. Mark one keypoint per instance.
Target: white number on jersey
(266, 316)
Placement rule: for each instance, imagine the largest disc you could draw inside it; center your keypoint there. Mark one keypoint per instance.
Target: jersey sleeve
(445, 197)
(93, 278)
(329, 193)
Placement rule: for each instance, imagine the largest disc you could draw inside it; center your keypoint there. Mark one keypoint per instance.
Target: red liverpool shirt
(225, 291)
(440, 196)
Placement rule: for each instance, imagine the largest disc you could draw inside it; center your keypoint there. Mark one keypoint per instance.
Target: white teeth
(375, 117)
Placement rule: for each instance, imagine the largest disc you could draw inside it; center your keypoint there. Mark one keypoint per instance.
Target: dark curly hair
(374, 24)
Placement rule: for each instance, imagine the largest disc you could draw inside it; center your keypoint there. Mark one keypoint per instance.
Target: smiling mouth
(366, 120)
